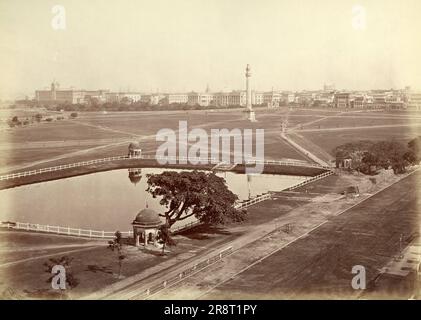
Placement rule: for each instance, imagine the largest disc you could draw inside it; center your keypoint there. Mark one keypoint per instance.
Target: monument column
(250, 113)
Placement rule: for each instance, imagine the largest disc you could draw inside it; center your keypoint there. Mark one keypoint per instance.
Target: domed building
(146, 226)
(134, 150)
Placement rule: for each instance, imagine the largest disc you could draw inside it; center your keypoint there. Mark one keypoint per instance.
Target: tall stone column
(248, 89)
(250, 113)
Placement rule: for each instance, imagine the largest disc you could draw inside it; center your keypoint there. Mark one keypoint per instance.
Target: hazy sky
(183, 45)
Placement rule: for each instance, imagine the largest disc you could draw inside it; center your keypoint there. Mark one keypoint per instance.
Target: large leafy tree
(367, 154)
(203, 195)
(413, 155)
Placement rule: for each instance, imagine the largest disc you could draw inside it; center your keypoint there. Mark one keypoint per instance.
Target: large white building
(414, 101)
(180, 98)
(56, 95)
(128, 97)
(201, 99)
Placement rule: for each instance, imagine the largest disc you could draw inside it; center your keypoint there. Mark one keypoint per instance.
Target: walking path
(363, 127)
(82, 248)
(304, 151)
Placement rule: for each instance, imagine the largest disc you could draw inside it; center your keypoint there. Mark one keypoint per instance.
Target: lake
(110, 200)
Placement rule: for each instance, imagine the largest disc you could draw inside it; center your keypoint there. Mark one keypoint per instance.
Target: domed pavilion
(134, 150)
(146, 226)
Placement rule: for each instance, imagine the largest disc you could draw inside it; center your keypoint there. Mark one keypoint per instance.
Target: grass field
(75, 140)
(329, 140)
(131, 126)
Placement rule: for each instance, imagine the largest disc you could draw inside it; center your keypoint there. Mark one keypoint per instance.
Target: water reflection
(135, 175)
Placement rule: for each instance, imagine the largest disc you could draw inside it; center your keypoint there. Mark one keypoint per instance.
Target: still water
(109, 200)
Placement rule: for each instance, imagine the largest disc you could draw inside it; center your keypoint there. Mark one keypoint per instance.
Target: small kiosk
(146, 226)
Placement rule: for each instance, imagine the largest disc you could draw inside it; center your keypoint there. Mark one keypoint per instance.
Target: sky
(184, 45)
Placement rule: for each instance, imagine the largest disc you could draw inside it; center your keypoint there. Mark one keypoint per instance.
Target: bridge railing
(61, 167)
(169, 159)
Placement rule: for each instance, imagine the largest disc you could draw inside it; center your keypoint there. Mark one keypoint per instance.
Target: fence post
(90, 233)
(68, 230)
(102, 233)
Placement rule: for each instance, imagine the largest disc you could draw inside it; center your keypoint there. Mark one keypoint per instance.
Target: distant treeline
(368, 156)
(135, 106)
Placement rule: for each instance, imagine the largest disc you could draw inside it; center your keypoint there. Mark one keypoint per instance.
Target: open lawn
(329, 140)
(356, 121)
(56, 131)
(88, 131)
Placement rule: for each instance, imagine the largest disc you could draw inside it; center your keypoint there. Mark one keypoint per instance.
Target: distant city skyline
(185, 45)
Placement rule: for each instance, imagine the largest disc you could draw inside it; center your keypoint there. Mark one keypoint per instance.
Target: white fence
(161, 160)
(60, 167)
(186, 226)
(63, 230)
(315, 178)
(161, 285)
(252, 201)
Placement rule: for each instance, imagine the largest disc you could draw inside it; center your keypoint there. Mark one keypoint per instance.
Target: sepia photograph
(193, 150)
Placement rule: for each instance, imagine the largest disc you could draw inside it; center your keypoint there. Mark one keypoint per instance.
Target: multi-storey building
(202, 99)
(305, 97)
(257, 98)
(341, 100)
(179, 98)
(153, 98)
(287, 97)
(358, 102)
(127, 97)
(272, 99)
(234, 98)
(414, 101)
(60, 96)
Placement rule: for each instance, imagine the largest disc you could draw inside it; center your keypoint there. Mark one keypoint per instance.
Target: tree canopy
(413, 154)
(381, 154)
(203, 195)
